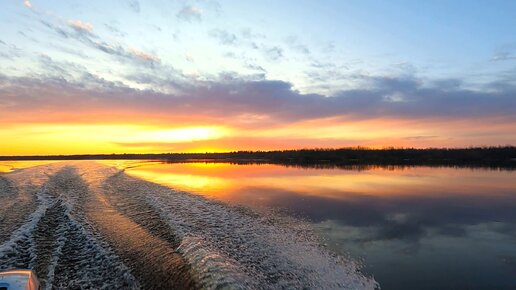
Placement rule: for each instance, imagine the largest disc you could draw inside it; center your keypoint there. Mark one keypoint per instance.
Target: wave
(95, 226)
(258, 250)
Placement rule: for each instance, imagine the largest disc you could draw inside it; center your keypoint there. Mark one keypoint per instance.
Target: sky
(134, 76)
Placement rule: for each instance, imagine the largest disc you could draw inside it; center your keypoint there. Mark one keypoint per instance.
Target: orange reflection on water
(8, 166)
(252, 183)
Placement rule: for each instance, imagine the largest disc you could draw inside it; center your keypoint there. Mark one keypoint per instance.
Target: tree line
(499, 156)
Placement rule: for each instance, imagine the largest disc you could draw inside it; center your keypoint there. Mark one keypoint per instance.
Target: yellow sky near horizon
(137, 137)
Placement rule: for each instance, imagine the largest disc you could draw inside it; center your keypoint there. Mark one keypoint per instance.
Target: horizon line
(385, 148)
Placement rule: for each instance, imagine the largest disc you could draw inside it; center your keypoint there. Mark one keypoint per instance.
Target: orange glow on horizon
(103, 139)
(143, 137)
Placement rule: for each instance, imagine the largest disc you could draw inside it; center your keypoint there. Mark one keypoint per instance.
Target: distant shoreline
(503, 156)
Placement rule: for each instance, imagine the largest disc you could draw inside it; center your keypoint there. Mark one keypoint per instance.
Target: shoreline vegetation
(503, 157)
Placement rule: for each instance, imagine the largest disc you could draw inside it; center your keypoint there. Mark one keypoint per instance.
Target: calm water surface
(414, 228)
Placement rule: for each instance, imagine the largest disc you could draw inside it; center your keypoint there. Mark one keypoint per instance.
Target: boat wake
(92, 226)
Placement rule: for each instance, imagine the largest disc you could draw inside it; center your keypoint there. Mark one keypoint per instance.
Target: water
(414, 227)
(82, 224)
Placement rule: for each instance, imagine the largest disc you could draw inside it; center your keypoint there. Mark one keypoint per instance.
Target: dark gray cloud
(233, 96)
(447, 84)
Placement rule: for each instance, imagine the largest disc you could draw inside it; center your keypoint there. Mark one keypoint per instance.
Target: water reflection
(415, 227)
(8, 166)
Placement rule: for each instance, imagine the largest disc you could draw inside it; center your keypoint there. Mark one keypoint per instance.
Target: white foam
(24, 232)
(211, 269)
(97, 259)
(249, 245)
(226, 247)
(93, 268)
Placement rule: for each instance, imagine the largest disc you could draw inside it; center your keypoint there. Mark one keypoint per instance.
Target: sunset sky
(194, 76)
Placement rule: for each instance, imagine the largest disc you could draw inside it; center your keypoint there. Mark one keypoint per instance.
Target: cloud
(233, 98)
(223, 36)
(81, 26)
(321, 74)
(503, 56)
(243, 143)
(144, 55)
(273, 53)
(83, 32)
(255, 67)
(10, 51)
(294, 44)
(402, 218)
(134, 5)
(61, 69)
(189, 57)
(190, 13)
(409, 219)
(302, 49)
(422, 137)
(113, 29)
(27, 4)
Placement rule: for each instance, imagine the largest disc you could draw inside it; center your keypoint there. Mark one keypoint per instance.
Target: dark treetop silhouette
(496, 157)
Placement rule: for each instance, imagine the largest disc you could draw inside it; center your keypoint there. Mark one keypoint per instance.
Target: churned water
(88, 225)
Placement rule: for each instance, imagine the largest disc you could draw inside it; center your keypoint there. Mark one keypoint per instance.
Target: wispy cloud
(224, 37)
(189, 57)
(80, 26)
(134, 5)
(83, 32)
(190, 13)
(115, 30)
(144, 55)
(273, 53)
(255, 67)
(294, 44)
(422, 137)
(502, 56)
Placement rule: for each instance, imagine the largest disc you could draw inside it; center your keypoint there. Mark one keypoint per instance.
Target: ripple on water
(95, 226)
